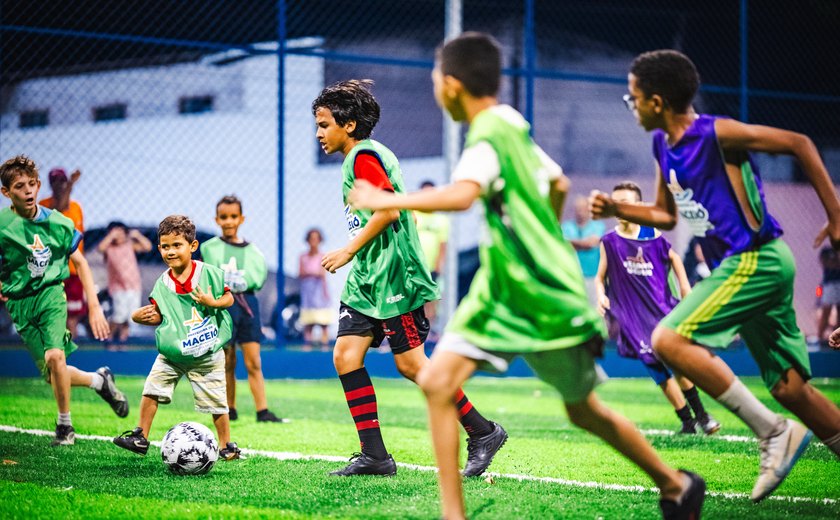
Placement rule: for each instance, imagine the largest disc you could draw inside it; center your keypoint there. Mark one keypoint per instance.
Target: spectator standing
(830, 293)
(585, 236)
(315, 307)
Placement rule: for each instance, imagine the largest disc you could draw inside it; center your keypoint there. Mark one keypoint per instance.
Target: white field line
(285, 455)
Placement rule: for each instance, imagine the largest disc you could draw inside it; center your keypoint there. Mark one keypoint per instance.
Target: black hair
(669, 73)
(427, 184)
(177, 225)
(229, 199)
(313, 230)
(475, 59)
(629, 186)
(350, 100)
(116, 224)
(17, 165)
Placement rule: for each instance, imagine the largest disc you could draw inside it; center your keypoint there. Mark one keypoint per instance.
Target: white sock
(833, 443)
(64, 419)
(761, 420)
(96, 381)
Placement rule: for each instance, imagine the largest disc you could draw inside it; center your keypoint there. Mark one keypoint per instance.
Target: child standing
(35, 243)
(633, 290)
(188, 305)
(245, 274)
(387, 285)
(314, 297)
(120, 248)
(705, 173)
(528, 296)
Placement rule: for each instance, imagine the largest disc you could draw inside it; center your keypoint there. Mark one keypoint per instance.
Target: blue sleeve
(77, 239)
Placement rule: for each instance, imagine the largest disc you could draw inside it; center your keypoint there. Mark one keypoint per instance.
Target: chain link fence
(167, 106)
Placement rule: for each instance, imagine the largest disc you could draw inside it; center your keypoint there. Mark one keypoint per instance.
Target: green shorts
(41, 321)
(750, 294)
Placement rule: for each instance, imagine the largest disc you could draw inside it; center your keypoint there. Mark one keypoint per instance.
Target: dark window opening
(34, 119)
(195, 105)
(115, 112)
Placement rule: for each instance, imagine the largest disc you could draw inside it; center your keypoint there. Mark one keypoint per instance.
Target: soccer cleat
(133, 440)
(691, 503)
(363, 464)
(111, 394)
(65, 435)
(708, 424)
(481, 450)
(267, 416)
(230, 452)
(688, 427)
(232, 414)
(778, 455)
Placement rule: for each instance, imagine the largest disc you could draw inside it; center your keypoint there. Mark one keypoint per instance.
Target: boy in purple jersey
(705, 173)
(633, 292)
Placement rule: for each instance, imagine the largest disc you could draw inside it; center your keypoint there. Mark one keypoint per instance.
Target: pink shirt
(123, 272)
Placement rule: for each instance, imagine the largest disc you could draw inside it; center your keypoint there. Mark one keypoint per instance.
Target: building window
(34, 119)
(114, 112)
(195, 105)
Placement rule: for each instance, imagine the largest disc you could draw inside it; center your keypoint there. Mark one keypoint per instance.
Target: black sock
(684, 414)
(472, 421)
(358, 390)
(693, 398)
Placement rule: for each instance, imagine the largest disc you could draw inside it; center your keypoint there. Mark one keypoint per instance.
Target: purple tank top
(694, 172)
(638, 289)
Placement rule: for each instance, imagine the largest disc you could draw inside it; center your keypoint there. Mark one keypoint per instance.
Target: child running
(245, 274)
(634, 293)
(528, 296)
(705, 173)
(35, 243)
(387, 285)
(187, 306)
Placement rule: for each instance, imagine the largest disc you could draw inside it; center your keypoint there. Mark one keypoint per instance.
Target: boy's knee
(253, 365)
(434, 384)
(344, 362)
(788, 390)
(409, 369)
(54, 358)
(663, 340)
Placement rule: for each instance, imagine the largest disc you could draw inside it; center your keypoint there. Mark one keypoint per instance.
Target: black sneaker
(692, 501)
(65, 435)
(267, 416)
(708, 424)
(133, 440)
(688, 428)
(111, 394)
(363, 464)
(232, 414)
(230, 452)
(481, 450)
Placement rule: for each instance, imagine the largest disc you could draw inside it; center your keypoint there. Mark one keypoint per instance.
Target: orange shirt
(74, 213)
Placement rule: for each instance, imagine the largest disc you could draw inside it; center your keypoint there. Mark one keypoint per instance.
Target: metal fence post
(280, 339)
(745, 95)
(530, 62)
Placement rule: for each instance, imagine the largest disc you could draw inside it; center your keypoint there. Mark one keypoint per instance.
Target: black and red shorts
(404, 332)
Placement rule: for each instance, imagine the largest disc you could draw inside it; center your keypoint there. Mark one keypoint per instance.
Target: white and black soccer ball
(189, 448)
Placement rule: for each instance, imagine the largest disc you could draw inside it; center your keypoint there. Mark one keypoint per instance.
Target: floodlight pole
(453, 26)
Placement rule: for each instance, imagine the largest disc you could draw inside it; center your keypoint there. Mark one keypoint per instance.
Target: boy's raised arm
(457, 196)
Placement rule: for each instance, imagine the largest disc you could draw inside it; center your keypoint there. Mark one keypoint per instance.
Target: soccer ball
(189, 448)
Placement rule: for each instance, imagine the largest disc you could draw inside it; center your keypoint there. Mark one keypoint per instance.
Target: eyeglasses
(629, 102)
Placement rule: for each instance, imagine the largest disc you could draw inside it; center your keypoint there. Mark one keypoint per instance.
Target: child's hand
(834, 340)
(204, 298)
(831, 231)
(334, 260)
(603, 305)
(147, 315)
(601, 205)
(365, 195)
(98, 323)
(74, 177)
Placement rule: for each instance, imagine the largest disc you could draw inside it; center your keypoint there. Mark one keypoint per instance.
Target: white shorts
(207, 377)
(123, 303)
(572, 371)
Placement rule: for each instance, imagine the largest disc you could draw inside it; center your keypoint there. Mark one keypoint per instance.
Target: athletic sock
(684, 414)
(833, 443)
(740, 401)
(64, 419)
(358, 390)
(96, 381)
(693, 398)
(472, 421)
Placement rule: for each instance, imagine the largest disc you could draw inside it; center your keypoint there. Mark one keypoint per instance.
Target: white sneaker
(778, 455)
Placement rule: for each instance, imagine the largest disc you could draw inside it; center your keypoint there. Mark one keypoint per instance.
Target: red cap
(57, 174)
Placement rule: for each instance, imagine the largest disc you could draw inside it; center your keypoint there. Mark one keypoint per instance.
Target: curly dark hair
(177, 225)
(629, 186)
(669, 73)
(229, 199)
(17, 165)
(475, 59)
(350, 100)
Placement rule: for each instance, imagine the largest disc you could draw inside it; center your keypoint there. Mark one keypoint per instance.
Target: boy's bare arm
(147, 315)
(602, 302)
(98, 323)
(559, 189)
(679, 272)
(378, 222)
(207, 299)
(662, 214)
(737, 136)
(458, 196)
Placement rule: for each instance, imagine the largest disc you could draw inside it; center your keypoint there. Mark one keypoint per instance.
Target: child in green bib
(187, 306)
(35, 244)
(528, 296)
